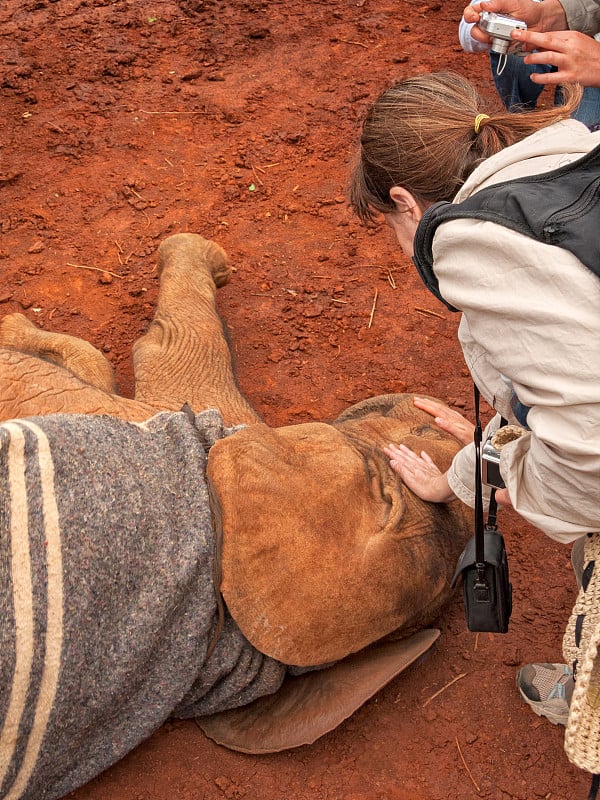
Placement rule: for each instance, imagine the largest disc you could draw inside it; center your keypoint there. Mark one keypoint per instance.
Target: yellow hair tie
(478, 120)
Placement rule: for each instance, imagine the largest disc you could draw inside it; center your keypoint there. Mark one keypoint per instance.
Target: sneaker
(547, 688)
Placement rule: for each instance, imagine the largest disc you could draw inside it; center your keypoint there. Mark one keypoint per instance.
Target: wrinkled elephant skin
(339, 553)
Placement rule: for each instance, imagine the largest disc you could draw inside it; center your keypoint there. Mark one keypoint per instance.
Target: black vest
(561, 207)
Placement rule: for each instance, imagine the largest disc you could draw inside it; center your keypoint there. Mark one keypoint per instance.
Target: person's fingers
(484, 5)
(400, 460)
(409, 455)
(396, 466)
(542, 48)
(480, 36)
(405, 458)
(503, 497)
(433, 407)
(438, 409)
(470, 15)
(402, 456)
(444, 417)
(447, 419)
(558, 42)
(575, 56)
(391, 451)
(449, 424)
(427, 459)
(549, 78)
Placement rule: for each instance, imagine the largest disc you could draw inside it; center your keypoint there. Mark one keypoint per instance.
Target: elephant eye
(425, 430)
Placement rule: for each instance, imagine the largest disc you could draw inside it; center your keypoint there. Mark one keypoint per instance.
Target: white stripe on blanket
(22, 596)
(23, 605)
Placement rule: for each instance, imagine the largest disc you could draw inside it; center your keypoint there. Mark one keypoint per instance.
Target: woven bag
(580, 649)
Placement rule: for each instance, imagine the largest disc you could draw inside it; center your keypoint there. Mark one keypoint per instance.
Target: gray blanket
(107, 602)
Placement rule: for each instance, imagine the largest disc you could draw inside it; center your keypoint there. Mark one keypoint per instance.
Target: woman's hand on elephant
(420, 474)
(448, 420)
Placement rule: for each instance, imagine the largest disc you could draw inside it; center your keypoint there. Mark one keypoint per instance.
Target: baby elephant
(173, 556)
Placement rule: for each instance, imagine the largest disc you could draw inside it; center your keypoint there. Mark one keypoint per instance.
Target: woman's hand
(448, 420)
(526, 10)
(420, 474)
(575, 55)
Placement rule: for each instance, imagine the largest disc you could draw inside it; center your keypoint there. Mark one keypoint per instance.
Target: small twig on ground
(462, 758)
(373, 309)
(391, 280)
(159, 113)
(443, 689)
(258, 180)
(335, 300)
(358, 44)
(429, 313)
(96, 269)
(137, 194)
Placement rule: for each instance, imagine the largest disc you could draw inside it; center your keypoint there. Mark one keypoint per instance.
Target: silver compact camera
(490, 465)
(500, 27)
(490, 453)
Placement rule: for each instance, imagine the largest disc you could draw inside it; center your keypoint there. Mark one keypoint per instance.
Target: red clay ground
(124, 122)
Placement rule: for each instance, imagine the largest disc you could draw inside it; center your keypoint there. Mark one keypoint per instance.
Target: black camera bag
(487, 591)
(483, 564)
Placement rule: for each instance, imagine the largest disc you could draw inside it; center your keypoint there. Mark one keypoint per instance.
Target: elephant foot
(75, 355)
(193, 250)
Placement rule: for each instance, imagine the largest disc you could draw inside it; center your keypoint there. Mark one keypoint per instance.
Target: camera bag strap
(480, 526)
(483, 564)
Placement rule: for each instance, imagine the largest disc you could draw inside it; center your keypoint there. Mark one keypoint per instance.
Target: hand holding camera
(538, 16)
(500, 28)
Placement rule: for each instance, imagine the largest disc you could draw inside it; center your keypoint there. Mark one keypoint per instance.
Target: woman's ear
(404, 219)
(405, 202)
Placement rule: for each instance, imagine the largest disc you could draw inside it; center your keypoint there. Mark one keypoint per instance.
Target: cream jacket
(531, 315)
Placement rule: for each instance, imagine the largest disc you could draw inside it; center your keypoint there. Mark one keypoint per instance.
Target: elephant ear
(309, 706)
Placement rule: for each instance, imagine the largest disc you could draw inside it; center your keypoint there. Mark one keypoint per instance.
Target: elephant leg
(31, 386)
(184, 357)
(73, 354)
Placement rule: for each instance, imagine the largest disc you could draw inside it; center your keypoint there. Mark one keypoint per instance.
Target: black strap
(480, 526)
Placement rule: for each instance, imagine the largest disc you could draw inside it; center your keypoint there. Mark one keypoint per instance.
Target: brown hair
(420, 134)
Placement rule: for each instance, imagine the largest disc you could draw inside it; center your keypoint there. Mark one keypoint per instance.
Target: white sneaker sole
(555, 717)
